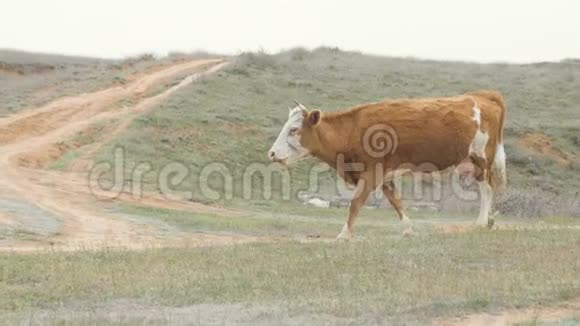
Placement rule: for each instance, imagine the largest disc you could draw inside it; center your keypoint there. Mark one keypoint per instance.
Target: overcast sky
(483, 30)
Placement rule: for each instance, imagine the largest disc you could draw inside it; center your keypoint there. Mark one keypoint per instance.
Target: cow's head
(293, 142)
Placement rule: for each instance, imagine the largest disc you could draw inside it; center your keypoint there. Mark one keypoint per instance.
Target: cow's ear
(314, 117)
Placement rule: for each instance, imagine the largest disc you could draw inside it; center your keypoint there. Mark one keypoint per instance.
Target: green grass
(424, 276)
(288, 220)
(285, 221)
(574, 321)
(77, 142)
(16, 233)
(65, 160)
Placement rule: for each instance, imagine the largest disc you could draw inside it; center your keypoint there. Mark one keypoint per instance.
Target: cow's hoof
(344, 237)
(481, 223)
(409, 232)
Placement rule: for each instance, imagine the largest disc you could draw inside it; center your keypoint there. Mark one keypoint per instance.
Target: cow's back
(432, 132)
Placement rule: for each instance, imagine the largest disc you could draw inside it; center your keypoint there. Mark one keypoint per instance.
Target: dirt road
(58, 204)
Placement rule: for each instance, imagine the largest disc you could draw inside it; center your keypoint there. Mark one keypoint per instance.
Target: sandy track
(30, 135)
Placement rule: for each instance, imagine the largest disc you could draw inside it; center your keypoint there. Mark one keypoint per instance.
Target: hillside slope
(29, 79)
(233, 117)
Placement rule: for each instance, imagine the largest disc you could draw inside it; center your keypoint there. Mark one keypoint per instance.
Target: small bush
(260, 60)
(131, 61)
(238, 70)
(535, 203)
(298, 54)
(523, 203)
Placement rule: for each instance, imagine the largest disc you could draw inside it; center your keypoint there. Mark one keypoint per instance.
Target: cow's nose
(271, 155)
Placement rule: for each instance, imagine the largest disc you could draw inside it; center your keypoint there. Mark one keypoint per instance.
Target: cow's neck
(329, 148)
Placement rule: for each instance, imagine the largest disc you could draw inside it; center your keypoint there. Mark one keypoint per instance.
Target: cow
(369, 144)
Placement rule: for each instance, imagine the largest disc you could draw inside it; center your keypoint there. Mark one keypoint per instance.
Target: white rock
(319, 203)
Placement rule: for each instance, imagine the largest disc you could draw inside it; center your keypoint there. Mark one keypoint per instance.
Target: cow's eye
(293, 131)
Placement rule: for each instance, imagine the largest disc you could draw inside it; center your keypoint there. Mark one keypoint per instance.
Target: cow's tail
(498, 177)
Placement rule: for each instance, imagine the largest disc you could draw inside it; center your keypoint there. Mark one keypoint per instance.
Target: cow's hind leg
(395, 201)
(486, 197)
(362, 192)
(481, 174)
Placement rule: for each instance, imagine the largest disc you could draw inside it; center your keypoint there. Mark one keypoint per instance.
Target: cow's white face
(287, 148)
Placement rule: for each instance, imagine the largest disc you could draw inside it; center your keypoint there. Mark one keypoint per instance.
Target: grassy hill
(233, 116)
(30, 79)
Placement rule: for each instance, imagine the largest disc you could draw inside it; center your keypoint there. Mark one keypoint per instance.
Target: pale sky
(483, 30)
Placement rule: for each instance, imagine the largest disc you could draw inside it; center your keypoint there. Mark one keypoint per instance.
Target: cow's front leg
(363, 189)
(394, 199)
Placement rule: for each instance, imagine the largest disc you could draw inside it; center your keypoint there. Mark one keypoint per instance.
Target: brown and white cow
(420, 135)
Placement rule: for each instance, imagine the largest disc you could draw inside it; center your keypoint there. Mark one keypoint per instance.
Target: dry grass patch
(421, 277)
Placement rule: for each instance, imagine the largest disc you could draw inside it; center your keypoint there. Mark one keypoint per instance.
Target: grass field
(380, 277)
